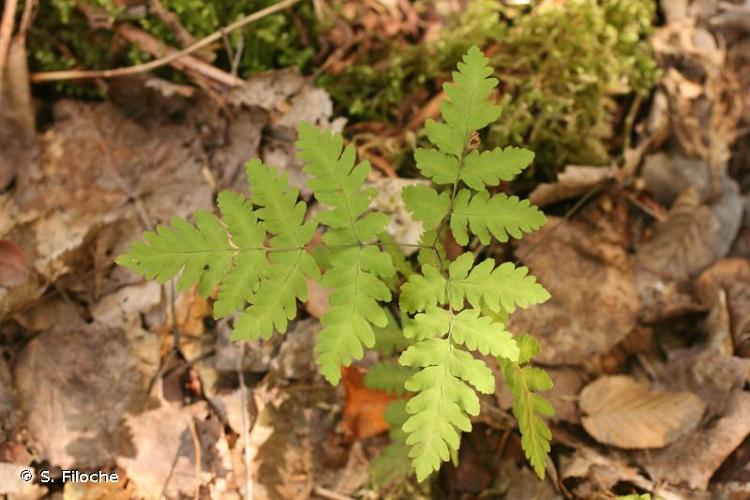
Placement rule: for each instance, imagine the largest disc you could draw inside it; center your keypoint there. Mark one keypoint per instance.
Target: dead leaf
(191, 309)
(690, 240)
(707, 373)
(574, 181)
(120, 490)
(76, 383)
(666, 176)
(594, 303)
(169, 468)
(733, 277)
(364, 408)
(693, 459)
(388, 200)
(625, 413)
(14, 266)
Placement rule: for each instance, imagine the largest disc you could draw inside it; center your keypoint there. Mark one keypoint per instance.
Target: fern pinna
(259, 254)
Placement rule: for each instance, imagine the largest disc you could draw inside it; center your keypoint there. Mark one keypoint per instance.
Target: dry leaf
(14, 268)
(594, 303)
(364, 407)
(706, 449)
(625, 413)
(686, 242)
(190, 309)
(574, 181)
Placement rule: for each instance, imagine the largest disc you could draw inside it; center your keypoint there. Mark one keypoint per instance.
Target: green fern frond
(201, 251)
(500, 215)
(249, 265)
(426, 205)
(529, 407)
(356, 273)
(501, 288)
(445, 333)
(258, 255)
(490, 167)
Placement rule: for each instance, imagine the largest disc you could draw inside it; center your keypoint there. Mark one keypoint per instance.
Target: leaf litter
(647, 335)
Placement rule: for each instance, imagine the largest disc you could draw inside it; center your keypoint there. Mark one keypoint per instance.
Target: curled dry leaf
(623, 412)
(574, 181)
(693, 236)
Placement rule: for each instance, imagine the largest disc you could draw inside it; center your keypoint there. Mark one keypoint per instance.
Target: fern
(355, 271)
(528, 407)
(447, 332)
(259, 254)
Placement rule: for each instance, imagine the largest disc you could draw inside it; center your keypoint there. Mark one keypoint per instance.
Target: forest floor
(647, 334)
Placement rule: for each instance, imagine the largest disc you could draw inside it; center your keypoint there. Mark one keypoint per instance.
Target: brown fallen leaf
(707, 449)
(594, 303)
(364, 408)
(685, 243)
(574, 181)
(14, 267)
(623, 412)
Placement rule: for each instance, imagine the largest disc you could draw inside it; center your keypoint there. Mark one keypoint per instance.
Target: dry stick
(197, 450)
(190, 64)
(23, 27)
(245, 425)
(326, 493)
(184, 37)
(162, 61)
(6, 33)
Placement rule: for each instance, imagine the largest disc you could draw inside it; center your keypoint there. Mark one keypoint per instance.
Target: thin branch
(6, 33)
(197, 450)
(25, 24)
(245, 426)
(331, 495)
(162, 61)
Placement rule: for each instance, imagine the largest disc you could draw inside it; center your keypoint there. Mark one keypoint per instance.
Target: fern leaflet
(355, 273)
(524, 381)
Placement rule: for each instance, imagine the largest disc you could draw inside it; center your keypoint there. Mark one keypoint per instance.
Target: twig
(332, 495)
(6, 33)
(245, 426)
(170, 19)
(153, 46)
(51, 76)
(23, 27)
(197, 449)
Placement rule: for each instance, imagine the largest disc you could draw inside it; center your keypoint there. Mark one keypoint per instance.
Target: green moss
(61, 37)
(559, 65)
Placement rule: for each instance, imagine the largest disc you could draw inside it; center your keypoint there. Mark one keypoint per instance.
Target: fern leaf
(438, 166)
(274, 303)
(347, 325)
(528, 406)
(249, 265)
(201, 251)
(422, 290)
(439, 410)
(388, 377)
(435, 322)
(356, 273)
(501, 288)
(490, 167)
(426, 205)
(479, 333)
(500, 215)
